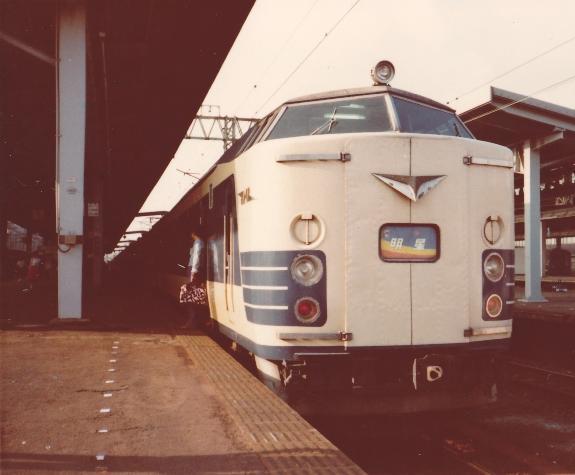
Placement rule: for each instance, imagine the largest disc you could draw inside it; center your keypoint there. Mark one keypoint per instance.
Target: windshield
(418, 118)
(344, 116)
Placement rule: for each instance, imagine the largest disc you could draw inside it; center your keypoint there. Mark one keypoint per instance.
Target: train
(360, 250)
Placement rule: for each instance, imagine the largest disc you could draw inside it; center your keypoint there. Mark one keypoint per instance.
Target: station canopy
(511, 119)
(150, 64)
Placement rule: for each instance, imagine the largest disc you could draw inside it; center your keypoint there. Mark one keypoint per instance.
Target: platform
(559, 307)
(128, 393)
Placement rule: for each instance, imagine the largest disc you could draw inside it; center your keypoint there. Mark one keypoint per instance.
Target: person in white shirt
(193, 294)
(196, 255)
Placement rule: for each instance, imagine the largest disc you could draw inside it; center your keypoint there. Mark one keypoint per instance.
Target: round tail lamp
(494, 306)
(307, 310)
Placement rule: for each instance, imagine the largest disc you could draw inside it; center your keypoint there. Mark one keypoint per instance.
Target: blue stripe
(267, 258)
(266, 297)
(263, 277)
(271, 317)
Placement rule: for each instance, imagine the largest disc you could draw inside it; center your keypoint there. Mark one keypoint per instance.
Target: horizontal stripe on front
(266, 297)
(267, 258)
(272, 278)
(268, 317)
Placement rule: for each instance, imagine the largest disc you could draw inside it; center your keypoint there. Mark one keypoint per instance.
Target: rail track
(533, 374)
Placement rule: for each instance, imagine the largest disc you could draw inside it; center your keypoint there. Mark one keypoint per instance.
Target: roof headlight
(383, 73)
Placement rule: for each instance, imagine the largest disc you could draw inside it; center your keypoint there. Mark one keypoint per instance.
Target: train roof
(364, 91)
(230, 154)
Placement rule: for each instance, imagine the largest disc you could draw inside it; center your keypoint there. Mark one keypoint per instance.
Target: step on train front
(360, 247)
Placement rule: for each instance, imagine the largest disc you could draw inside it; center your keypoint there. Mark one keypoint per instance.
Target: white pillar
(531, 197)
(70, 154)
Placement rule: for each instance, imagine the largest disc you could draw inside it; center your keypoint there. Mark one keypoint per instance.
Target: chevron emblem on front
(413, 187)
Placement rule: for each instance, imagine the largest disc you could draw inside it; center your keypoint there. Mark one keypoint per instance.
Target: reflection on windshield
(418, 118)
(333, 117)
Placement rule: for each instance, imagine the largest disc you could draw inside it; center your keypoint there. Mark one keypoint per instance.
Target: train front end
(403, 226)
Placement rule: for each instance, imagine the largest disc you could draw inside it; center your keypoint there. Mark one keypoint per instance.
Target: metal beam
(541, 142)
(38, 54)
(552, 214)
(547, 120)
(151, 213)
(218, 127)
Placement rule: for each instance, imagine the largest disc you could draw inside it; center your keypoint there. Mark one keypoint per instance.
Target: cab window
(423, 119)
(342, 116)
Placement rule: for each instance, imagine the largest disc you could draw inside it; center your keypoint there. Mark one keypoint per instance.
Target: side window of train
(266, 122)
(249, 137)
(255, 134)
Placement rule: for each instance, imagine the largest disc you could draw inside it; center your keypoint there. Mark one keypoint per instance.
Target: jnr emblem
(413, 187)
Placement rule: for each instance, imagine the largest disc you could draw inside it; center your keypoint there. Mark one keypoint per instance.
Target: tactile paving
(285, 442)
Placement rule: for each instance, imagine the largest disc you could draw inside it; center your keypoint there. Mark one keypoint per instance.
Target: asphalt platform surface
(128, 392)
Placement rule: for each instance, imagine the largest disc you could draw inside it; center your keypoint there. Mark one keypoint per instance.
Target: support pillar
(533, 238)
(70, 154)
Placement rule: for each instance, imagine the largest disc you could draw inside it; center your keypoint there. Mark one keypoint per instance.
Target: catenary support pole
(531, 196)
(70, 154)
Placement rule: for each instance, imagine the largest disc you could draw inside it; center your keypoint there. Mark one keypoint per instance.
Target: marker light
(494, 306)
(306, 269)
(494, 267)
(383, 73)
(307, 310)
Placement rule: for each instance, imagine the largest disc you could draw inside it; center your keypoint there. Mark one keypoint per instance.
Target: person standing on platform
(194, 294)
(34, 272)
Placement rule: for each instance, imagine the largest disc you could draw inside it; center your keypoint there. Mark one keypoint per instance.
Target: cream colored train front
(361, 242)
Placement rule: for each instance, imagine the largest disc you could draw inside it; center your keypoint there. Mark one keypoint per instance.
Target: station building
(98, 96)
(94, 100)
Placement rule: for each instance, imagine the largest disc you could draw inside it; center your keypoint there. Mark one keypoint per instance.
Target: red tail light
(307, 310)
(494, 306)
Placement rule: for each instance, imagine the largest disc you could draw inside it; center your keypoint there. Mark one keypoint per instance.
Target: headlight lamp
(306, 269)
(494, 267)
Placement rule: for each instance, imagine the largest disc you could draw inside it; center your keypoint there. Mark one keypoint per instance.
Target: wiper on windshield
(329, 124)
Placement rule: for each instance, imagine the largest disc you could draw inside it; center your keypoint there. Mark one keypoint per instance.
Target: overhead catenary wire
(301, 63)
(275, 58)
(523, 99)
(515, 68)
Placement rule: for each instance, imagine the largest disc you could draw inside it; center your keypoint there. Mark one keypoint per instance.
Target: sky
(441, 49)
